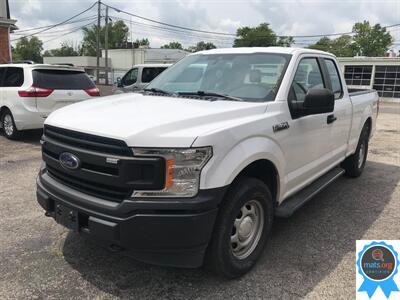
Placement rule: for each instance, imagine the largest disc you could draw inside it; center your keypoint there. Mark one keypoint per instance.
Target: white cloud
(286, 17)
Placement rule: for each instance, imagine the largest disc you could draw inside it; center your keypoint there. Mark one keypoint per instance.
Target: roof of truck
(246, 50)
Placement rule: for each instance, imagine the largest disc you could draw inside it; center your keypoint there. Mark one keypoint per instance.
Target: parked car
(197, 166)
(138, 77)
(30, 92)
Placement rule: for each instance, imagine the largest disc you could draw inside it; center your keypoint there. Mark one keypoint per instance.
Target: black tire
(7, 123)
(220, 255)
(355, 163)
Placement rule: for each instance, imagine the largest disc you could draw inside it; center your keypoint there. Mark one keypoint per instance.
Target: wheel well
(368, 123)
(3, 109)
(265, 171)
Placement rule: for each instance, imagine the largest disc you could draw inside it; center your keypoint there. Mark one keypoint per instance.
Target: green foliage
(117, 35)
(367, 41)
(260, 36)
(371, 40)
(142, 42)
(28, 49)
(66, 49)
(200, 46)
(341, 46)
(172, 45)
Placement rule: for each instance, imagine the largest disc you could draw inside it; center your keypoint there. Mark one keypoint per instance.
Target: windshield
(251, 77)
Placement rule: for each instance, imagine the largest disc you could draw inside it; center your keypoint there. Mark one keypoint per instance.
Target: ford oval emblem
(69, 161)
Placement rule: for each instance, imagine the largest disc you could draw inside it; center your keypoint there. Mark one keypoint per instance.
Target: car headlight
(182, 168)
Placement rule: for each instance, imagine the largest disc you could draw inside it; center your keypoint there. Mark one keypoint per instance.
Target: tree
(117, 35)
(260, 36)
(172, 45)
(371, 40)
(341, 46)
(28, 49)
(200, 46)
(142, 42)
(66, 49)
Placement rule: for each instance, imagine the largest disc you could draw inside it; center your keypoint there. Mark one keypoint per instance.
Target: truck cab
(138, 77)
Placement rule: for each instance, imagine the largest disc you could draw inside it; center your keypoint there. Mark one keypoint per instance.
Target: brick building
(7, 25)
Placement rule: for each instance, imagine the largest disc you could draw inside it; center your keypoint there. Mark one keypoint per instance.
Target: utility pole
(106, 44)
(98, 44)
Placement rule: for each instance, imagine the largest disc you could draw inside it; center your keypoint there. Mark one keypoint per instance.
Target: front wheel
(354, 164)
(8, 124)
(242, 228)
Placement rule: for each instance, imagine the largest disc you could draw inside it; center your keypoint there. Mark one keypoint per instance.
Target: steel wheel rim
(361, 155)
(247, 229)
(8, 125)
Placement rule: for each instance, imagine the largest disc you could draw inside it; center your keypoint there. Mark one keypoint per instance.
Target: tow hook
(115, 248)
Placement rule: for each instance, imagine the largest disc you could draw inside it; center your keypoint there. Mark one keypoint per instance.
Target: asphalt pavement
(310, 255)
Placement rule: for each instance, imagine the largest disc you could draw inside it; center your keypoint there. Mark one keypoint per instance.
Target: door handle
(330, 119)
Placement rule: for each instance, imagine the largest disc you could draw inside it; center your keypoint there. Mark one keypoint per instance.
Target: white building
(379, 73)
(124, 59)
(119, 60)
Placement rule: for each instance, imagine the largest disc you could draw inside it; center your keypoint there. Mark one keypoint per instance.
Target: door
(307, 143)
(2, 73)
(148, 74)
(129, 80)
(341, 117)
(59, 87)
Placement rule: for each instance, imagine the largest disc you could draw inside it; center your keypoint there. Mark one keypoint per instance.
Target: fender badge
(111, 160)
(280, 126)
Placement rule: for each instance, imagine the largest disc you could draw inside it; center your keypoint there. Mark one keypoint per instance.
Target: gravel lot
(311, 255)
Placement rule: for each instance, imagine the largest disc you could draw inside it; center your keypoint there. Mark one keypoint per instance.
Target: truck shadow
(29, 137)
(302, 251)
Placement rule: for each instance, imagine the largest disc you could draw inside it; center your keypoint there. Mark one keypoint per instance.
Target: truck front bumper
(163, 231)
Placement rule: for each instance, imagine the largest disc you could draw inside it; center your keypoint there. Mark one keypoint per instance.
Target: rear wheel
(8, 124)
(242, 227)
(354, 164)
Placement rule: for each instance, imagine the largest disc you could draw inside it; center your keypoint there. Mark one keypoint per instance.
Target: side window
(308, 76)
(14, 77)
(130, 77)
(335, 78)
(2, 73)
(148, 74)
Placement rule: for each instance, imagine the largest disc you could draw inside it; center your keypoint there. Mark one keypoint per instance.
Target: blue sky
(303, 17)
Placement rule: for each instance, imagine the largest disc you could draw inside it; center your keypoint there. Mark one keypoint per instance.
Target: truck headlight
(182, 168)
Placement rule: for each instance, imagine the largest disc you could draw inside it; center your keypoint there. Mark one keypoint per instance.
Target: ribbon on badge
(372, 263)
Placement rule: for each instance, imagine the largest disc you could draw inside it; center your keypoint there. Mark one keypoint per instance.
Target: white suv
(30, 92)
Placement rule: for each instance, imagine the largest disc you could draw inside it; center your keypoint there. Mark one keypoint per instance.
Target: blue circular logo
(378, 263)
(69, 161)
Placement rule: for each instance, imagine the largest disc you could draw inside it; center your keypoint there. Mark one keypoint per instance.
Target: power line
(58, 24)
(170, 25)
(72, 31)
(19, 32)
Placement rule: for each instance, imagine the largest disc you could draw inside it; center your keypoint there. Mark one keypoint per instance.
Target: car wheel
(354, 164)
(8, 124)
(242, 228)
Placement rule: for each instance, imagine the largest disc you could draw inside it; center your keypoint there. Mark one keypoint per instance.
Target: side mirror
(119, 82)
(318, 101)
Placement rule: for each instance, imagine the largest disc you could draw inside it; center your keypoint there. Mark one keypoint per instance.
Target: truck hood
(151, 121)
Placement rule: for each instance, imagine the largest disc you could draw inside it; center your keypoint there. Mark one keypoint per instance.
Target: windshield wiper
(211, 94)
(156, 90)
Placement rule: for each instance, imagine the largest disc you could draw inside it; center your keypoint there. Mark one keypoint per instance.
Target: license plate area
(66, 216)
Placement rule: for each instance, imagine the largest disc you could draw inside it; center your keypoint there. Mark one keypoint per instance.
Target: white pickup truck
(193, 169)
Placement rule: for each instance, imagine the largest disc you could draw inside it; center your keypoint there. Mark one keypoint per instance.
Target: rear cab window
(61, 79)
(148, 74)
(2, 73)
(14, 77)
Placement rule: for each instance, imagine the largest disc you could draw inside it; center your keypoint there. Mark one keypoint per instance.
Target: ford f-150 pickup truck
(194, 168)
